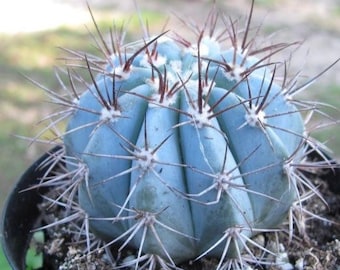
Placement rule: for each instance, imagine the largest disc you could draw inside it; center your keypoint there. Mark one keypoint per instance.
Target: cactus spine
(182, 150)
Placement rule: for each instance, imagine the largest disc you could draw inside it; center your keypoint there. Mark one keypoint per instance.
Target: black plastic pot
(21, 213)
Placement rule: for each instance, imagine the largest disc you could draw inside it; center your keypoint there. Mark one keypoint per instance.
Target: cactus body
(183, 144)
(177, 151)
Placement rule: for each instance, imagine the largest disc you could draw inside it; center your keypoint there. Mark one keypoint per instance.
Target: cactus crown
(182, 150)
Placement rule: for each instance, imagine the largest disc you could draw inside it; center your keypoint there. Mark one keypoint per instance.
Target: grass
(3, 261)
(331, 96)
(34, 259)
(22, 103)
(268, 3)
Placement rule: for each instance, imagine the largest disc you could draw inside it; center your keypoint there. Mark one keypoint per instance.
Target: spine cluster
(184, 150)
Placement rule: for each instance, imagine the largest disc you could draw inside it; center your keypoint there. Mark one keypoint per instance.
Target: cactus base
(21, 215)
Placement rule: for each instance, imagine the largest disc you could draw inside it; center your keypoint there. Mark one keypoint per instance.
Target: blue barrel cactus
(183, 150)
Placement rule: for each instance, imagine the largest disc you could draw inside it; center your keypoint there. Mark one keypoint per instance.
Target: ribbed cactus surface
(185, 147)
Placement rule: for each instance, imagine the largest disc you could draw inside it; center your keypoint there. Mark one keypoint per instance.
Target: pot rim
(20, 212)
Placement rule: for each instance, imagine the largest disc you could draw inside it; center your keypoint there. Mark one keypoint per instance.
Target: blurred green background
(30, 43)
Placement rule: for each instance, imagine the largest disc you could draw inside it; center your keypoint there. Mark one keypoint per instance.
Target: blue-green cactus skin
(190, 163)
